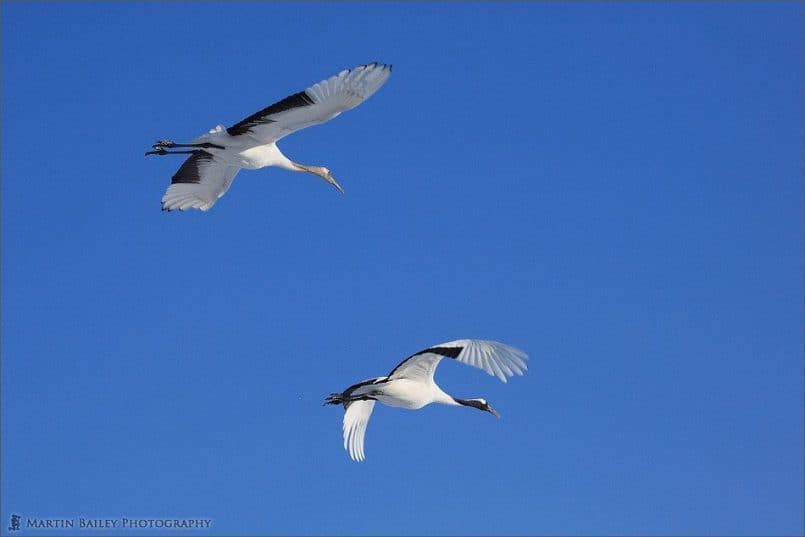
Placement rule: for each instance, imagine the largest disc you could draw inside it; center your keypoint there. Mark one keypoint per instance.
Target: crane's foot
(159, 151)
(162, 144)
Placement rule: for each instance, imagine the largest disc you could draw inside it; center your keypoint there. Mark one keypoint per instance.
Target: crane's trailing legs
(161, 151)
(161, 145)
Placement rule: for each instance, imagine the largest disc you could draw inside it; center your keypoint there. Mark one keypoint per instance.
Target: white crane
(411, 385)
(217, 156)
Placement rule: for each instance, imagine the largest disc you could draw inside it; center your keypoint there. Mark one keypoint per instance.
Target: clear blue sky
(615, 188)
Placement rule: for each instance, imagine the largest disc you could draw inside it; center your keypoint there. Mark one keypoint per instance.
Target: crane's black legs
(161, 151)
(169, 144)
(161, 145)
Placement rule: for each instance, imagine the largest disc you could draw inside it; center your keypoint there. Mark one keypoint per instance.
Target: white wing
(199, 183)
(317, 104)
(356, 417)
(495, 358)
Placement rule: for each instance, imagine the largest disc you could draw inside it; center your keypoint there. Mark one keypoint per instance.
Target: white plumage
(411, 384)
(217, 156)
(356, 417)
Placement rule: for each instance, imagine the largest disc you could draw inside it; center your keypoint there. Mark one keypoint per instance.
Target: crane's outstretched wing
(317, 104)
(495, 358)
(356, 417)
(199, 183)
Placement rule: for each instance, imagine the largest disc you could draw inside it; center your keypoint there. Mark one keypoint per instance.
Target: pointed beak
(493, 412)
(330, 179)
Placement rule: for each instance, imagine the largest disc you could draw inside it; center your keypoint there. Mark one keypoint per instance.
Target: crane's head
(322, 172)
(327, 176)
(480, 404)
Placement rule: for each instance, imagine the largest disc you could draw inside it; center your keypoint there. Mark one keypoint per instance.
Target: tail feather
(334, 399)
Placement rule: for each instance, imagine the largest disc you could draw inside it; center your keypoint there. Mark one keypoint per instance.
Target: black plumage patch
(349, 391)
(292, 101)
(473, 403)
(190, 172)
(449, 352)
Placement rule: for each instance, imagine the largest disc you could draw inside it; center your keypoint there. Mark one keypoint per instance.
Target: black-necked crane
(217, 156)
(410, 385)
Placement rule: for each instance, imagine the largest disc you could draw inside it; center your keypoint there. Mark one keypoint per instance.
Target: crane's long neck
(469, 402)
(316, 170)
(437, 395)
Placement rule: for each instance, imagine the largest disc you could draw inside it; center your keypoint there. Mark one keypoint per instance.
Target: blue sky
(614, 188)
